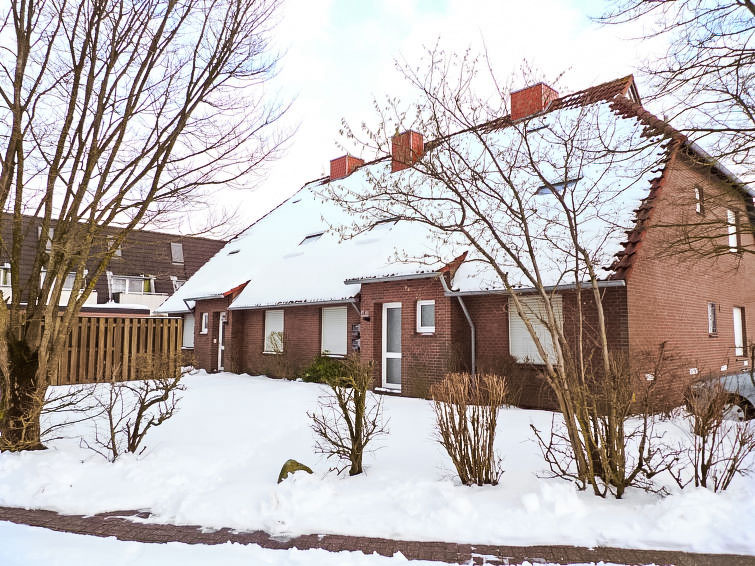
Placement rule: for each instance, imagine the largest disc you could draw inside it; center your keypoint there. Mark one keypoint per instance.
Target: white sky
(339, 55)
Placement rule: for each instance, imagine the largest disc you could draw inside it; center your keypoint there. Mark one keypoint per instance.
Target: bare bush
(718, 447)
(349, 417)
(620, 446)
(130, 409)
(466, 414)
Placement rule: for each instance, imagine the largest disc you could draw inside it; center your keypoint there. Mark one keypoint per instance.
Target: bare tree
(540, 202)
(704, 85)
(130, 409)
(112, 114)
(466, 416)
(349, 418)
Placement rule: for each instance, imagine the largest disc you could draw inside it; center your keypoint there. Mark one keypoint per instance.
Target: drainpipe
(469, 321)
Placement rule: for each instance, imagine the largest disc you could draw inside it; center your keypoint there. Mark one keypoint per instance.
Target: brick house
(145, 271)
(289, 288)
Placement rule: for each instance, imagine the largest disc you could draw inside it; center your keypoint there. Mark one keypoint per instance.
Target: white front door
(221, 341)
(392, 345)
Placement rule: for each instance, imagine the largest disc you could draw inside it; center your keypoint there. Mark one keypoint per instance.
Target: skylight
(556, 187)
(234, 251)
(311, 238)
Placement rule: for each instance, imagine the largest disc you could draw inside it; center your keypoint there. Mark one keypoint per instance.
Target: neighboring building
(288, 276)
(145, 271)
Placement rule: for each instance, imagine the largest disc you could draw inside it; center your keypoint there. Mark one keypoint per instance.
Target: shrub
(466, 415)
(349, 417)
(322, 370)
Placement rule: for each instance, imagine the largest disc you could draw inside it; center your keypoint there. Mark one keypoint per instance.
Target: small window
(5, 280)
(699, 204)
(740, 332)
(556, 187)
(177, 283)
(50, 235)
(111, 242)
(426, 317)
(334, 331)
(176, 252)
(274, 332)
(732, 222)
(205, 323)
(311, 238)
(134, 285)
(232, 252)
(712, 323)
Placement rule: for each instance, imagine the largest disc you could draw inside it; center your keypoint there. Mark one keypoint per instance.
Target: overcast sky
(339, 55)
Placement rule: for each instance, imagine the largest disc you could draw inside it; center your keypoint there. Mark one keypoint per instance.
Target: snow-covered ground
(216, 464)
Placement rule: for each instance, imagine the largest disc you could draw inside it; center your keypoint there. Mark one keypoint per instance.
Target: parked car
(741, 388)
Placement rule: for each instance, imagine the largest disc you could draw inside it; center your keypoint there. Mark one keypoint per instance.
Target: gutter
(601, 284)
(472, 332)
(722, 168)
(295, 304)
(359, 280)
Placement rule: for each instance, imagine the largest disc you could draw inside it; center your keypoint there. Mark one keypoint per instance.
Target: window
(699, 204)
(732, 221)
(110, 243)
(274, 332)
(50, 234)
(557, 187)
(521, 344)
(134, 285)
(426, 317)
(712, 323)
(740, 332)
(205, 323)
(311, 238)
(5, 275)
(334, 331)
(67, 282)
(176, 252)
(177, 283)
(188, 335)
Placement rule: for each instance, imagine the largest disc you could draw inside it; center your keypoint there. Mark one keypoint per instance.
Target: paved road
(121, 524)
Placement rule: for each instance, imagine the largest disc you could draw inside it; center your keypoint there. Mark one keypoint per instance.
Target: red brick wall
(667, 297)
(425, 358)
(205, 345)
(302, 328)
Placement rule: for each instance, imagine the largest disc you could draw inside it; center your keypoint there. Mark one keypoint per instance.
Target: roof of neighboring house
(295, 255)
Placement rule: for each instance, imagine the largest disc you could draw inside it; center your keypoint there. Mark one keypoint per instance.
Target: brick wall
(425, 357)
(206, 345)
(302, 329)
(667, 296)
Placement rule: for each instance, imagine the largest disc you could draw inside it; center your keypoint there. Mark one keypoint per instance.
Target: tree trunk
(22, 399)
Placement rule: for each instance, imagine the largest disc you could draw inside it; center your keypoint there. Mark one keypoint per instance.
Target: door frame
(385, 353)
(221, 341)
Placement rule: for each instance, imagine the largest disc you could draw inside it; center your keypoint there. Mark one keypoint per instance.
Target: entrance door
(392, 345)
(221, 341)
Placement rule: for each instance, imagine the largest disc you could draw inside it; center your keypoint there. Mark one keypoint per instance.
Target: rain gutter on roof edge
(601, 284)
(294, 304)
(205, 298)
(721, 167)
(360, 280)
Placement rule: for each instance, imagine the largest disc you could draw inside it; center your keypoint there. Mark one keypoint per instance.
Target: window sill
(337, 356)
(712, 334)
(203, 333)
(272, 353)
(426, 331)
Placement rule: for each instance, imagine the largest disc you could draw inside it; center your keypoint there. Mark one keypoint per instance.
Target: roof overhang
(547, 289)
(360, 280)
(345, 300)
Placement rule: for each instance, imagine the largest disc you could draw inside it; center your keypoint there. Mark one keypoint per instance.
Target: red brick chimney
(342, 167)
(531, 100)
(406, 149)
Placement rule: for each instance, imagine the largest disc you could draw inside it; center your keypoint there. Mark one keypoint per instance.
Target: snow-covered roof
(294, 254)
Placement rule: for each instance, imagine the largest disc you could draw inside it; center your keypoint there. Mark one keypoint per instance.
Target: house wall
(302, 329)
(667, 296)
(206, 345)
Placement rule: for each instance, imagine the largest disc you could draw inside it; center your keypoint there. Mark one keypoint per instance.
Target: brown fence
(102, 349)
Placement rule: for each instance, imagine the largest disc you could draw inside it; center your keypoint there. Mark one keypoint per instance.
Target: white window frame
(177, 253)
(272, 326)
(731, 225)
(50, 234)
(521, 344)
(386, 354)
(699, 202)
(136, 280)
(118, 251)
(425, 329)
(740, 331)
(205, 328)
(188, 331)
(337, 347)
(5, 280)
(712, 319)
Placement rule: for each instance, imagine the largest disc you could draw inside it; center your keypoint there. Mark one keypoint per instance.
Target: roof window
(311, 238)
(556, 187)
(234, 251)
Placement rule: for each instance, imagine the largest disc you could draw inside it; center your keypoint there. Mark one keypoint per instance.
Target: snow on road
(216, 464)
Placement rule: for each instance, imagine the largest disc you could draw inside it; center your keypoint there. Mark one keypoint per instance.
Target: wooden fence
(106, 348)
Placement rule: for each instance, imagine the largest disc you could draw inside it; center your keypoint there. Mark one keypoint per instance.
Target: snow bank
(216, 464)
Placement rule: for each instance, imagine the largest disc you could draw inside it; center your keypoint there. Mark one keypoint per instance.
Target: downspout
(469, 321)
